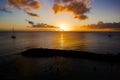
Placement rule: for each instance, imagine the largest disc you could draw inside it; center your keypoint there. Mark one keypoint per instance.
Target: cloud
(5, 10)
(78, 7)
(39, 25)
(30, 22)
(25, 4)
(102, 25)
(33, 14)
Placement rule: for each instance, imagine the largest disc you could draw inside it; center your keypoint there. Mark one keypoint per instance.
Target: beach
(20, 67)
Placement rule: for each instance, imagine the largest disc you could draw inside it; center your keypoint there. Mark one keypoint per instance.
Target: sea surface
(18, 67)
(98, 42)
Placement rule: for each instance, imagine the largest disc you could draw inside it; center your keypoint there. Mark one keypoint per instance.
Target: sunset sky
(50, 14)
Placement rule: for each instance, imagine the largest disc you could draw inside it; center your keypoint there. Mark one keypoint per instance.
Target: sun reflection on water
(62, 40)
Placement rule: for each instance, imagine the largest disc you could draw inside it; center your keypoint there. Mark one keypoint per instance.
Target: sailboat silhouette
(13, 33)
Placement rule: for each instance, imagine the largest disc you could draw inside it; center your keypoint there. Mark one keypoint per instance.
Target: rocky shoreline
(42, 52)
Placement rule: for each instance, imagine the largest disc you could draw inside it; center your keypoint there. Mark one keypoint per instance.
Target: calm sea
(81, 41)
(17, 67)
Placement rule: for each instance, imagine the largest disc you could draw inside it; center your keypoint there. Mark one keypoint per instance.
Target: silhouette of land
(53, 64)
(40, 52)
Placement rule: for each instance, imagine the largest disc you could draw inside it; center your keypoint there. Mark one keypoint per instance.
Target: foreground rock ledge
(42, 52)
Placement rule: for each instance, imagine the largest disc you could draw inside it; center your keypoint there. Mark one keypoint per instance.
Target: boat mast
(13, 33)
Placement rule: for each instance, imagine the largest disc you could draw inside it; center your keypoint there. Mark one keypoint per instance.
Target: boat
(13, 33)
(109, 35)
(13, 37)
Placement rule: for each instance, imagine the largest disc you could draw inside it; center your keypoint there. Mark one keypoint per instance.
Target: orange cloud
(78, 7)
(25, 4)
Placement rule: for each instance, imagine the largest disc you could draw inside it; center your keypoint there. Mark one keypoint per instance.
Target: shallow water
(18, 67)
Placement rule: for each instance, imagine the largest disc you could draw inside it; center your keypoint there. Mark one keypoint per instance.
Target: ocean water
(98, 42)
(18, 67)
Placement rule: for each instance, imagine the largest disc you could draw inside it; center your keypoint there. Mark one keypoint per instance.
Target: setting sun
(63, 27)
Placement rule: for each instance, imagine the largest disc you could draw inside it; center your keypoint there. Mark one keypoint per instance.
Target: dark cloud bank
(33, 14)
(102, 25)
(39, 25)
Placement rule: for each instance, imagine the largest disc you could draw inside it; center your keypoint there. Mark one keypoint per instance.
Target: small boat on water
(13, 37)
(109, 35)
(13, 33)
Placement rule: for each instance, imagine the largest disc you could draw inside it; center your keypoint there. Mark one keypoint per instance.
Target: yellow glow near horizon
(63, 27)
